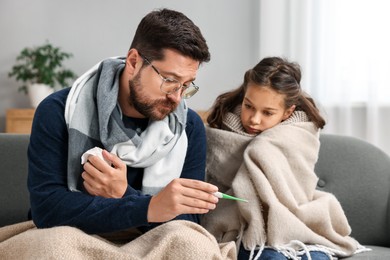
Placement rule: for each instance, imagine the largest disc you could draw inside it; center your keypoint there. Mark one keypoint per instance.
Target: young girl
(267, 156)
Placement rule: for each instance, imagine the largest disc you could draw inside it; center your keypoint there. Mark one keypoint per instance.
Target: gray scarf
(94, 119)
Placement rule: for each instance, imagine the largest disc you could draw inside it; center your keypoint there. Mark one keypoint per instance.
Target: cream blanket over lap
(276, 174)
(175, 240)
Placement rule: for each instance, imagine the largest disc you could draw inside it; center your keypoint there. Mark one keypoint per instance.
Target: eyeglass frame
(165, 79)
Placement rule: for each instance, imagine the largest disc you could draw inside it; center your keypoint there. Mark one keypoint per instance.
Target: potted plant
(41, 70)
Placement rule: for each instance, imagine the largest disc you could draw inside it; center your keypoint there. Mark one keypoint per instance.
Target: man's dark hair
(169, 29)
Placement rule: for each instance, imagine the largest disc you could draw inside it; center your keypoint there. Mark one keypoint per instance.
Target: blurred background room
(341, 45)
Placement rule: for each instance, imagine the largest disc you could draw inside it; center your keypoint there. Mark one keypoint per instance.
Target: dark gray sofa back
(355, 171)
(358, 174)
(14, 197)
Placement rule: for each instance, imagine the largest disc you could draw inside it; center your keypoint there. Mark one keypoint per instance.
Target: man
(152, 164)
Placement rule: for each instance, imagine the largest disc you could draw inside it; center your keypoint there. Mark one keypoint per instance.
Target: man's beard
(154, 109)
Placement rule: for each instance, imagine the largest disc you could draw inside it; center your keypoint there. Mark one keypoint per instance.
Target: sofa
(357, 172)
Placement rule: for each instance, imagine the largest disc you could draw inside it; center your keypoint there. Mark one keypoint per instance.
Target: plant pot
(37, 92)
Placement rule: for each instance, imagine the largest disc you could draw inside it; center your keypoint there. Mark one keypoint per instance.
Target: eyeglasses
(170, 86)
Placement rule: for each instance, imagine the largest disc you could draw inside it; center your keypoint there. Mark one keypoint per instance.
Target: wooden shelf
(203, 114)
(19, 121)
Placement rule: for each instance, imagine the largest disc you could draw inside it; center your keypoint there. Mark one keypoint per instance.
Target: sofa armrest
(358, 174)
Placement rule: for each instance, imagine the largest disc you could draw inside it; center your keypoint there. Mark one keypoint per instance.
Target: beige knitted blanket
(275, 172)
(173, 240)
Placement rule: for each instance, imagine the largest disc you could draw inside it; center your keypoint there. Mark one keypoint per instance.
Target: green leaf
(42, 64)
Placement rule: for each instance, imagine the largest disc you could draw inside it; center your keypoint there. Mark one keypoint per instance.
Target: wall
(95, 29)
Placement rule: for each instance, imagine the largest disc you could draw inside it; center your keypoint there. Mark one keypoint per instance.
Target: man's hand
(182, 196)
(102, 179)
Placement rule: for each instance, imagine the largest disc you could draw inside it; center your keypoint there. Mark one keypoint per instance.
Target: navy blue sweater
(52, 204)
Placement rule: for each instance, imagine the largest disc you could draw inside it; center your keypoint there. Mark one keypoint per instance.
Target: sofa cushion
(14, 199)
(376, 253)
(358, 174)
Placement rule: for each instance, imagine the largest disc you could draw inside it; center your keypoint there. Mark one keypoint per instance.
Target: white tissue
(94, 151)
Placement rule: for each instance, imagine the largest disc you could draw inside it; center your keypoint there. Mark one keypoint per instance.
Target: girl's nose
(256, 119)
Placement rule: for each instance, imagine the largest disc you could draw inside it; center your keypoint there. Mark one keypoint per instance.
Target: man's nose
(175, 96)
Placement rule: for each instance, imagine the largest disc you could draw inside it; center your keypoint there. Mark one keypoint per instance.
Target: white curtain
(343, 47)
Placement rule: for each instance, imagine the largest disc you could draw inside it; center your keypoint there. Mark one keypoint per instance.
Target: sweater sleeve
(195, 161)
(52, 204)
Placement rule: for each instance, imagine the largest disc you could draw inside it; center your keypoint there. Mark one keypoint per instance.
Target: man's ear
(288, 112)
(133, 61)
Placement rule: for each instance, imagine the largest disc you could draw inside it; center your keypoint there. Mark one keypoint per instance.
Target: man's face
(155, 109)
(145, 93)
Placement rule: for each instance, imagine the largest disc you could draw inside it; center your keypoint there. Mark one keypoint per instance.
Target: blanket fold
(173, 240)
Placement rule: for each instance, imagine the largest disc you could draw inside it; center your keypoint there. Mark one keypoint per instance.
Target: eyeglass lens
(170, 86)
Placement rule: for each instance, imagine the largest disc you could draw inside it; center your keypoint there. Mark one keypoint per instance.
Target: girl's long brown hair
(277, 73)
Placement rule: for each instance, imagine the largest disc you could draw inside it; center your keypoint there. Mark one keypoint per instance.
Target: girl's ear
(288, 112)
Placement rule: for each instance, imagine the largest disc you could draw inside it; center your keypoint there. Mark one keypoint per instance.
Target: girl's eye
(267, 113)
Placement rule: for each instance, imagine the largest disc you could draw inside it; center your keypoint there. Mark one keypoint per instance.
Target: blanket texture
(174, 240)
(94, 119)
(275, 172)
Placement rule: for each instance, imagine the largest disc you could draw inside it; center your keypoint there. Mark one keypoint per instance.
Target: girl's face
(262, 108)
